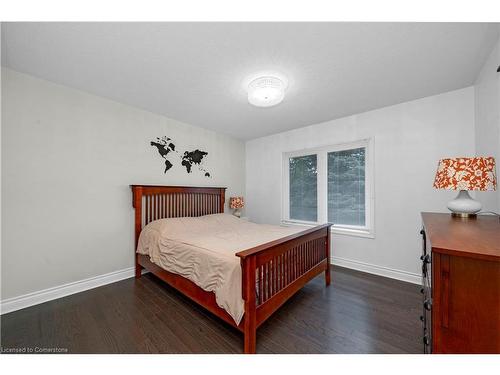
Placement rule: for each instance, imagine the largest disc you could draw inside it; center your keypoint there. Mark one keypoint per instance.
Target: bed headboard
(153, 202)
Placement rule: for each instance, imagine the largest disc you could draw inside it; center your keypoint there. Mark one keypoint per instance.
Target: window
(330, 184)
(304, 188)
(346, 187)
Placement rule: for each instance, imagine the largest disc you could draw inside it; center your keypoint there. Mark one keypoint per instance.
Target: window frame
(368, 230)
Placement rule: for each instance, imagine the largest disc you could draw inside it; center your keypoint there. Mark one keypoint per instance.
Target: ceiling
(195, 72)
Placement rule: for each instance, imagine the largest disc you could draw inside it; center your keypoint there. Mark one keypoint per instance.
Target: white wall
(67, 161)
(487, 132)
(409, 139)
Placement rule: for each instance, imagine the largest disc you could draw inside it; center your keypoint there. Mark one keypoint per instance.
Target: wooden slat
(289, 256)
(301, 259)
(275, 275)
(267, 281)
(157, 214)
(150, 205)
(295, 271)
(261, 285)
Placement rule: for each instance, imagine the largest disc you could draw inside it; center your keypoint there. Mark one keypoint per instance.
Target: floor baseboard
(409, 277)
(35, 298)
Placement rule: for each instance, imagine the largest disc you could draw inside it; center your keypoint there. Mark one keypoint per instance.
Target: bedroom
(250, 187)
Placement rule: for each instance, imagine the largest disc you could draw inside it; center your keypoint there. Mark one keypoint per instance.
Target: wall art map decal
(166, 148)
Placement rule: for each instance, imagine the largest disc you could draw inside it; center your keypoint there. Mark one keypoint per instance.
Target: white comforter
(202, 249)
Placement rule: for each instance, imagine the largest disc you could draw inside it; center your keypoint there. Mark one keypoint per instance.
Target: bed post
(248, 266)
(327, 271)
(222, 195)
(137, 203)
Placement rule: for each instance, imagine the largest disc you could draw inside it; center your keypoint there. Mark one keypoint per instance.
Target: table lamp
(466, 174)
(236, 203)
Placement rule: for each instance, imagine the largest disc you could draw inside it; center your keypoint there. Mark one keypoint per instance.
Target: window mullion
(286, 191)
(322, 187)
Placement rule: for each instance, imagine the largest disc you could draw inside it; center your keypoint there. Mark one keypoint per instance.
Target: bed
(258, 267)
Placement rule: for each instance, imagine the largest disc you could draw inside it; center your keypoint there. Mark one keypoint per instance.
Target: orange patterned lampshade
(466, 174)
(236, 202)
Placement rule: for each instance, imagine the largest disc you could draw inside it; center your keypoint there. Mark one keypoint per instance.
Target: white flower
(451, 171)
(463, 185)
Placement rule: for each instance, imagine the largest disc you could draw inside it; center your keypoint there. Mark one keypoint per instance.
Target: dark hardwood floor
(358, 313)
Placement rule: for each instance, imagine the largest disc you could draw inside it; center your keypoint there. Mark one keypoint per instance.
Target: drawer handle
(426, 340)
(426, 259)
(427, 305)
(421, 318)
(422, 232)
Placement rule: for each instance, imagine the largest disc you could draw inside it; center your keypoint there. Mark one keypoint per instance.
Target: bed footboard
(273, 272)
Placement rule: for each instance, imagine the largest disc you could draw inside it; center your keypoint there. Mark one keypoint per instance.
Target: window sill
(353, 232)
(364, 233)
(298, 223)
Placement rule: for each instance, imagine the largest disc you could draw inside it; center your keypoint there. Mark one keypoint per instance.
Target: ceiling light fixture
(266, 91)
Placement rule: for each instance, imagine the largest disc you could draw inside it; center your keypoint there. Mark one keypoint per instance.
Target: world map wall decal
(166, 148)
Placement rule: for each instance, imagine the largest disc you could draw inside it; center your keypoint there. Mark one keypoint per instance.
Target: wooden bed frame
(271, 273)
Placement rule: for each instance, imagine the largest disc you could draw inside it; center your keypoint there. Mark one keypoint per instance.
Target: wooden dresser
(461, 284)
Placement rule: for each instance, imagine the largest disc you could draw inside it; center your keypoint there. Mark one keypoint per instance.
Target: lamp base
(463, 205)
(463, 215)
(237, 212)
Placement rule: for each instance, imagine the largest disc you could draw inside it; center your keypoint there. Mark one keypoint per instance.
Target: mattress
(202, 249)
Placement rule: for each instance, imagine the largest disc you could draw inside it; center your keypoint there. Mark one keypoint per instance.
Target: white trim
(391, 273)
(35, 298)
(41, 296)
(300, 222)
(353, 232)
(342, 230)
